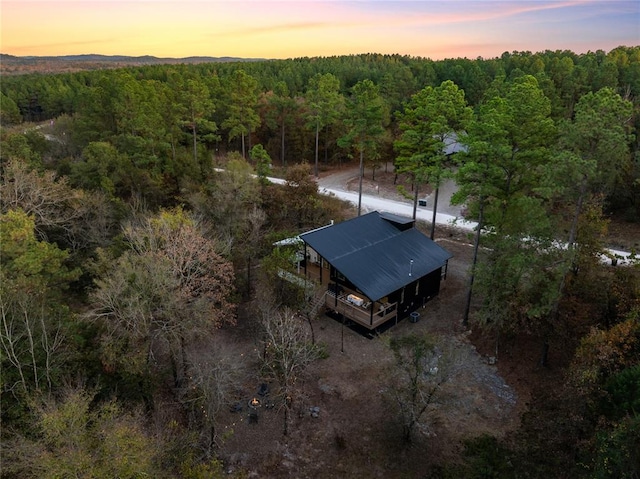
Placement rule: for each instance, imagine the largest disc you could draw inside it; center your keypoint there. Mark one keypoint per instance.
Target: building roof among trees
(377, 253)
(452, 145)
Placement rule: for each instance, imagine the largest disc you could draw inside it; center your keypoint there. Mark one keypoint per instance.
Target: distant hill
(13, 65)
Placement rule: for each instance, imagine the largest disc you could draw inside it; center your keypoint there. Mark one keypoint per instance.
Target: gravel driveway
(382, 195)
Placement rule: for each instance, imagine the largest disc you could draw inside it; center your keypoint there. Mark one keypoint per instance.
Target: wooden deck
(362, 314)
(382, 312)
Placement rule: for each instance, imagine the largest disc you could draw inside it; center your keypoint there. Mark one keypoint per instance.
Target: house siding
(409, 300)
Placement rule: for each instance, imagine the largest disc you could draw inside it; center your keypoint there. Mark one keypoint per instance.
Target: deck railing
(361, 314)
(382, 312)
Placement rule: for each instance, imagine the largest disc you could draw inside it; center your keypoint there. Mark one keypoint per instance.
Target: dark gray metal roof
(375, 255)
(452, 145)
(401, 221)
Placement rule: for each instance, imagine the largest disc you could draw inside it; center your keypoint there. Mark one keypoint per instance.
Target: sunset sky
(285, 29)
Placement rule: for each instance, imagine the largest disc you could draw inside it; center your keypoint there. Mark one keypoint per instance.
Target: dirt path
(386, 186)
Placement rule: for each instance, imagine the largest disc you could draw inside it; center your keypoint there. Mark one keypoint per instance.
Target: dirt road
(383, 195)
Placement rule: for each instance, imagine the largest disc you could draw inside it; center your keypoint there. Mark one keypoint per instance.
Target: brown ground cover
(356, 432)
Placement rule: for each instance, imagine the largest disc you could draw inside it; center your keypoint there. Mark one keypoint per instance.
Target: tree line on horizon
(125, 247)
(163, 111)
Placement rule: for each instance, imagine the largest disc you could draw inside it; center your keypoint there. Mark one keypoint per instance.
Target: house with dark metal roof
(378, 267)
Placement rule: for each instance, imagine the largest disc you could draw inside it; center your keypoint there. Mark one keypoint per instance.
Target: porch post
(305, 261)
(335, 274)
(371, 313)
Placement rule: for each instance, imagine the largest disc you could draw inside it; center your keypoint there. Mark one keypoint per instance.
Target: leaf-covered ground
(356, 431)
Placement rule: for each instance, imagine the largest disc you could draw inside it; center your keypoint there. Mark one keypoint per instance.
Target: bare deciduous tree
(80, 218)
(214, 376)
(170, 288)
(42, 195)
(423, 366)
(30, 337)
(288, 350)
(33, 277)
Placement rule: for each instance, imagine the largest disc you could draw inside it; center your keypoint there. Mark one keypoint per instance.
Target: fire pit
(254, 404)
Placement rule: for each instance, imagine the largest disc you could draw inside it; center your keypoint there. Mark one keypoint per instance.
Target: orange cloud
(280, 29)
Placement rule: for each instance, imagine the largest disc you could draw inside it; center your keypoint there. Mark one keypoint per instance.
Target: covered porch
(369, 314)
(350, 304)
(341, 299)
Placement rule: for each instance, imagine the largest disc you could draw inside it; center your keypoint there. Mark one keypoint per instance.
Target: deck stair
(317, 303)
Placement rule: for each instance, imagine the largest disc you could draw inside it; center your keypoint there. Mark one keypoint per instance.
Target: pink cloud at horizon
(287, 29)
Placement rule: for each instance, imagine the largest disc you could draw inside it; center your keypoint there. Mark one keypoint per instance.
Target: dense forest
(137, 222)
